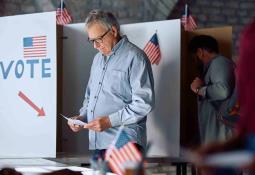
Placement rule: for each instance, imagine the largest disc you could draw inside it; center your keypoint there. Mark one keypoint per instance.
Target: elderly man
(120, 90)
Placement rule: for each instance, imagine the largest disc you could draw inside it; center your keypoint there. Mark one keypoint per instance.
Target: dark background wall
(208, 13)
(127, 11)
(213, 13)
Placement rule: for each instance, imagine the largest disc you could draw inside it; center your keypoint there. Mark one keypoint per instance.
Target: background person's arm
(222, 78)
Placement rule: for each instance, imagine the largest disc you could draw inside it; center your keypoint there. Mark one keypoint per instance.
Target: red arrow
(26, 99)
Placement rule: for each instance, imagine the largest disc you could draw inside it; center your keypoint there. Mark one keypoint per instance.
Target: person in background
(244, 136)
(120, 90)
(213, 87)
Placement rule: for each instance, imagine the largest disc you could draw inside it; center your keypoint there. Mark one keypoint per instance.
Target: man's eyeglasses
(99, 39)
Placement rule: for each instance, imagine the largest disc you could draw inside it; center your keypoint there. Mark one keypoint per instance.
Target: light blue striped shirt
(120, 86)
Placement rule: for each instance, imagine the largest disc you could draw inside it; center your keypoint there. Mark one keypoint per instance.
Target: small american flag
(152, 50)
(187, 20)
(122, 151)
(34, 46)
(63, 16)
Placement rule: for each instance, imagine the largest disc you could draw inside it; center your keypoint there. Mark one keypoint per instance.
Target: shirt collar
(206, 66)
(119, 44)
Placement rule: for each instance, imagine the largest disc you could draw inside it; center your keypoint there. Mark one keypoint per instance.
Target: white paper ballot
(74, 121)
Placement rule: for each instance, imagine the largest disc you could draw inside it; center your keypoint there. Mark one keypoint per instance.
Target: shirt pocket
(115, 82)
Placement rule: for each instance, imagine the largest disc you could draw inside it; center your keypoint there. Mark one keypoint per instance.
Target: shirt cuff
(202, 91)
(115, 119)
(83, 114)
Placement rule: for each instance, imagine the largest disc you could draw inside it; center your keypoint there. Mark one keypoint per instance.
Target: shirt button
(95, 97)
(91, 111)
(100, 83)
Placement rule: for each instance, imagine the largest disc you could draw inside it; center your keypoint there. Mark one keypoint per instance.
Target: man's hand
(100, 124)
(196, 84)
(75, 128)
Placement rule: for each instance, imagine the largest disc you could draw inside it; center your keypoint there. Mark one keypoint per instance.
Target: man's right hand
(75, 128)
(196, 84)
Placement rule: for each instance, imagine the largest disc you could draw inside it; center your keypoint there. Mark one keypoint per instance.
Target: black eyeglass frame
(99, 39)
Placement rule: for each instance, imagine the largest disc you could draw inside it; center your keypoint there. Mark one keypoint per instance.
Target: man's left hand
(197, 83)
(100, 124)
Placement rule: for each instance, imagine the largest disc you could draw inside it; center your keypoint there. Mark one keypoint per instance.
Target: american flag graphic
(35, 46)
(152, 50)
(63, 16)
(122, 151)
(187, 20)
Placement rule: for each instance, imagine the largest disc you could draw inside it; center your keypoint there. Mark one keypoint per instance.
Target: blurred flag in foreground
(122, 150)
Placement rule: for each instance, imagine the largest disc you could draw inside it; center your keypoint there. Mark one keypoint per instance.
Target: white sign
(28, 85)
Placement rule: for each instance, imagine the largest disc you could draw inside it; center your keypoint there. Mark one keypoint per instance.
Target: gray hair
(103, 17)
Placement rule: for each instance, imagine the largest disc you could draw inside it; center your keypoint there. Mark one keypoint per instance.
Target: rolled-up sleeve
(222, 81)
(143, 97)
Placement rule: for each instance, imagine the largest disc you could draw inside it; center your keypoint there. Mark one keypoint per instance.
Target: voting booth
(189, 70)
(44, 71)
(28, 85)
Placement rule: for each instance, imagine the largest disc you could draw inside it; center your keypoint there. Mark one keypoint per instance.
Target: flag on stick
(187, 20)
(152, 50)
(63, 16)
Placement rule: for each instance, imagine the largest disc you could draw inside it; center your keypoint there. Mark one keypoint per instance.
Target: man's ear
(114, 31)
(199, 50)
